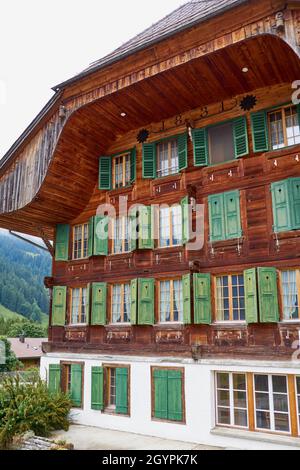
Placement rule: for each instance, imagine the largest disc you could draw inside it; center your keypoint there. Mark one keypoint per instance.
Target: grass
(9, 315)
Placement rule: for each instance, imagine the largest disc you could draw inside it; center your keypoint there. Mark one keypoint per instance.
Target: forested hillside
(22, 271)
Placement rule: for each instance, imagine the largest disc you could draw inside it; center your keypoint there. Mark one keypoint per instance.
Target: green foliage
(11, 362)
(22, 271)
(28, 329)
(29, 406)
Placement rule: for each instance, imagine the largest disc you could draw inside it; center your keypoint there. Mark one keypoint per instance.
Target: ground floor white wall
(199, 400)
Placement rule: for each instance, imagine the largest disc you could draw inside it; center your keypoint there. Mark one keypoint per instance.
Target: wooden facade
(192, 80)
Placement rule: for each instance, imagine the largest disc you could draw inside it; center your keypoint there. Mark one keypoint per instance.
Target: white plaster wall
(199, 398)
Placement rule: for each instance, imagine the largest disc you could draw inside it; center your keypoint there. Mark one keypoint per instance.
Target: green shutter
(99, 295)
(200, 143)
(101, 223)
(216, 217)
(149, 160)
(202, 299)
(240, 137)
(59, 305)
(182, 152)
(268, 295)
(91, 237)
(186, 290)
(97, 398)
(160, 377)
(62, 242)
(281, 206)
(146, 301)
(133, 232)
(122, 391)
(105, 173)
(295, 202)
(259, 123)
(133, 165)
(146, 241)
(185, 212)
(54, 378)
(76, 384)
(232, 215)
(175, 408)
(251, 305)
(134, 300)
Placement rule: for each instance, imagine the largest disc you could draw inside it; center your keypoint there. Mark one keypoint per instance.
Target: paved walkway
(89, 438)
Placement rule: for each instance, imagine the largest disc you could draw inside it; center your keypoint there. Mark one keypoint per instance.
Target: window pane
(240, 399)
(282, 422)
(223, 398)
(75, 305)
(281, 403)
(165, 304)
(176, 225)
(221, 143)
(279, 384)
(177, 301)
(262, 401)
(127, 303)
(261, 383)
(290, 299)
(292, 126)
(116, 304)
(223, 415)
(276, 130)
(164, 227)
(223, 381)
(240, 418)
(263, 420)
(167, 158)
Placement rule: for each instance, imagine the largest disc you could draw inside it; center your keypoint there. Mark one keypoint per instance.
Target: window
(290, 292)
(121, 171)
(286, 205)
(121, 303)
(168, 394)
(224, 216)
(170, 226)
(230, 298)
(231, 406)
(120, 239)
(79, 302)
(167, 158)
(284, 127)
(110, 389)
(271, 403)
(72, 382)
(80, 241)
(171, 301)
(221, 143)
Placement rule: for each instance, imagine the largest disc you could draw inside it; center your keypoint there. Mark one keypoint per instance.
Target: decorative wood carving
(169, 337)
(76, 334)
(119, 336)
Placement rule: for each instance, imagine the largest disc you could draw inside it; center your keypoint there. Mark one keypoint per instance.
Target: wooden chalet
(198, 116)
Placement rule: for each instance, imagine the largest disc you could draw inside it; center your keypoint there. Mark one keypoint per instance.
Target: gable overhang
(52, 178)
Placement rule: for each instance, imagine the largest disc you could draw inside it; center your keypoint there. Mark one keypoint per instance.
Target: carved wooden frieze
(78, 268)
(76, 334)
(169, 337)
(238, 337)
(119, 336)
(290, 336)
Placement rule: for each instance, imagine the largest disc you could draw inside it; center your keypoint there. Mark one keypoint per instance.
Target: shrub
(30, 407)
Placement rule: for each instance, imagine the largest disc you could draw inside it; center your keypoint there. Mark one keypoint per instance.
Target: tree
(28, 329)
(10, 362)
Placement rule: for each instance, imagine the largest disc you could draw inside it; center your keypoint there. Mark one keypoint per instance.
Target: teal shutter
(149, 160)
(182, 152)
(216, 217)
(251, 305)
(294, 186)
(76, 385)
(175, 407)
(133, 165)
(281, 206)
(268, 295)
(122, 391)
(202, 299)
(200, 143)
(105, 176)
(134, 301)
(101, 223)
(97, 398)
(186, 291)
(232, 215)
(160, 377)
(91, 237)
(59, 306)
(240, 137)
(146, 301)
(146, 241)
(185, 213)
(62, 242)
(260, 137)
(54, 378)
(99, 295)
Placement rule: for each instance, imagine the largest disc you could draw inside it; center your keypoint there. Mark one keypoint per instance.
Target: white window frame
(231, 407)
(271, 402)
(297, 270)
(170, 170)
(125, 222)
(172, 290)
(122, 286)
(82, 241)
(230, 290)
(79, 305)
(170, 226)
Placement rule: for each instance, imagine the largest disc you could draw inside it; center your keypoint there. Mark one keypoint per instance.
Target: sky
(44, 42)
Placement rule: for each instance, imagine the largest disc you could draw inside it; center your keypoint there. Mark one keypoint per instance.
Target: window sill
(282, 152)
(227, 243)
(257, 436)
(229, 325)
(77, 325)
(169, 326)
